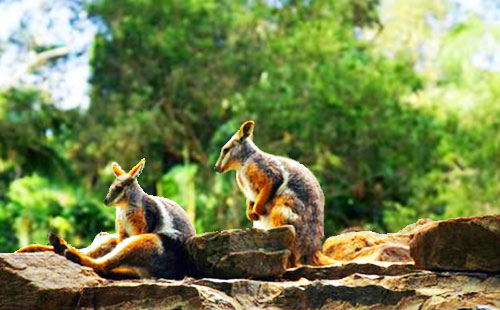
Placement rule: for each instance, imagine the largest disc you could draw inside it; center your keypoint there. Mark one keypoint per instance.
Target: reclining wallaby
(151, 232)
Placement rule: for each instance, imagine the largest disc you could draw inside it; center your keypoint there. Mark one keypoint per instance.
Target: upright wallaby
(279, 191)
(151, 232)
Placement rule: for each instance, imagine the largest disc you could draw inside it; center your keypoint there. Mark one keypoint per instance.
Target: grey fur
(301, 184)
(169, 262)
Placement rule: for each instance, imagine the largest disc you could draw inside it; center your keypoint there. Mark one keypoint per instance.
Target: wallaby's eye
(224, 151)
(119, 188)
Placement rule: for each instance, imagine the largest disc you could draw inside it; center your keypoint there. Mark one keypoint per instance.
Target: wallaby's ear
(136, 171)
(246, 130)
(117, 169)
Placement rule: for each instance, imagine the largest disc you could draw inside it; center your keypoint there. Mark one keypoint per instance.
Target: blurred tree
(33, 134)
(456, 54)
(394, 116)
(173, 80)
(38, 188)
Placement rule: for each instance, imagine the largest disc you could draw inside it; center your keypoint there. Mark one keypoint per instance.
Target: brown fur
(35, 248)
(279, 191)
(134, 252)
(119, 228)
(138, 221)
(262, 184)
(232, 165)
(147, 243)
(102, 248)
(137, 167)
(117, 170)
(251, 215)
(278, 212)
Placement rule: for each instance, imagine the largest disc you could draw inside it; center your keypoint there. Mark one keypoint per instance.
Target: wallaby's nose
(106, 201)
(217, 168)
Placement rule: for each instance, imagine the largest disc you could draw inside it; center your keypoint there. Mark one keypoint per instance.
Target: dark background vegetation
(393, 132)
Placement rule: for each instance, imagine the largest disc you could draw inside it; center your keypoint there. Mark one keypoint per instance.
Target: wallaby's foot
(72, 257)
(62, 248)
(35, 248)
(59, 244)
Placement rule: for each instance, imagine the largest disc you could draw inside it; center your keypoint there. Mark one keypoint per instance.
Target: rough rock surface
(334, 272)
(29, 280)
(459, 244)
(47, 281)
(240, 253)
(368, 246)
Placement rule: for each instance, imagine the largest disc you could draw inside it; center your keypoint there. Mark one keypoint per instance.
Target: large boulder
(459, 244)
(368, 246)
(41, 281)
(238, 253)
(48, 281)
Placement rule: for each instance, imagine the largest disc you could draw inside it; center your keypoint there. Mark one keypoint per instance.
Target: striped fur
(151, 232)
(279, 191)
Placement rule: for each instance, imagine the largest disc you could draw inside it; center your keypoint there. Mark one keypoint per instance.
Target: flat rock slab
(255, 253)
(439, 290)
(153, 295)
(459, 244)
(41, 281)
(304, 294)
(338, 272)
(423, 290)
(48, 281)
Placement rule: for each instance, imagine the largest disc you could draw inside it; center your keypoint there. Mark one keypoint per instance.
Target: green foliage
(173, 80)
(298, 71)
(37, 205)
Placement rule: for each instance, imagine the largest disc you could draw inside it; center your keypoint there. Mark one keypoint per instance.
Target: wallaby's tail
(321, 259)
(35, 248)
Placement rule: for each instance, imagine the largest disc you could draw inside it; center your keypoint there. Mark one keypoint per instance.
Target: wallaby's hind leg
(103, 244)
(136, 252)
(35, 248)
(282, 213)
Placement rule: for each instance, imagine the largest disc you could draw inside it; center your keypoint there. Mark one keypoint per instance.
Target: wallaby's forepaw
(59, 244)
(252, 216)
